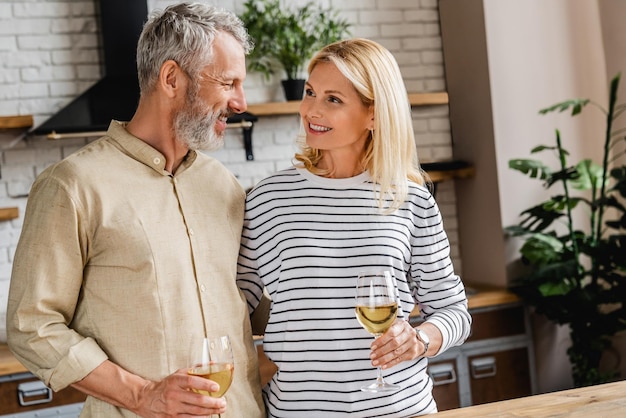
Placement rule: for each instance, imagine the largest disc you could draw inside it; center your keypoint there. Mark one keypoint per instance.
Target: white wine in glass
(212, 358)
(376, 310)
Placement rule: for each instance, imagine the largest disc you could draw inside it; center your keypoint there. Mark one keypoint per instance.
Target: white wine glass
(376, 310)
(212, 358)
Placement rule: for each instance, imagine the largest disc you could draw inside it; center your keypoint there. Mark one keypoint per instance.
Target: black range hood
(116, 95)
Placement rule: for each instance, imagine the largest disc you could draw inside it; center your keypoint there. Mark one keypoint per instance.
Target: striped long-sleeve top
(305, 240)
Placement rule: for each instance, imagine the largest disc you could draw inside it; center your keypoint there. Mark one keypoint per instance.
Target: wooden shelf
(447, 170)
(291, 107)
(428, 99)
(16, 122)
(460, 173)
(6, 214)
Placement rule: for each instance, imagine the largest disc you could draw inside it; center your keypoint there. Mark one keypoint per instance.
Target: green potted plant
(577, 273)
(287, 38)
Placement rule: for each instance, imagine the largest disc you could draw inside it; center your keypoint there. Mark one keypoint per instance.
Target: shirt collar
(141, 151)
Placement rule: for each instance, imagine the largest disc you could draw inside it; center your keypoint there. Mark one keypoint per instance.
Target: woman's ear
(371, 117)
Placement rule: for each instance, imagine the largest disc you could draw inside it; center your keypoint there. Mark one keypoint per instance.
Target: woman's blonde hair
(390, 155)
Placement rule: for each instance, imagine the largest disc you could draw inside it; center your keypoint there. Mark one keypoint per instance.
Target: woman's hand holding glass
(398, 344)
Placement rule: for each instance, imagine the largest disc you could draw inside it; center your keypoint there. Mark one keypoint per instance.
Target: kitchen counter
(605, 400)
(478, 297)
(484, 297)
(487, 296)
(8, 363)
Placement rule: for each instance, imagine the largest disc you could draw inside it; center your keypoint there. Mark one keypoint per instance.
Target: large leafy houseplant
(577, 273)
(287, 38)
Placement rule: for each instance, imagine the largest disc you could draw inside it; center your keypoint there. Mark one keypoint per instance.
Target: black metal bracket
(443, 166)
(245, 121)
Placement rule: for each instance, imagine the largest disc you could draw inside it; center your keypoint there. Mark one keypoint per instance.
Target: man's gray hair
(184, 33)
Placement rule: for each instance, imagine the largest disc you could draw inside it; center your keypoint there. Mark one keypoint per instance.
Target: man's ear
(172, 78)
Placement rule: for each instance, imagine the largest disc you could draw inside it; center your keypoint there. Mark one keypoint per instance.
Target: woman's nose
(308, 108)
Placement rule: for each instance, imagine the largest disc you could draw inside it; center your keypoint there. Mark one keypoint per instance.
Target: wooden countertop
(605, 400)
(483, 297)
(8, 363)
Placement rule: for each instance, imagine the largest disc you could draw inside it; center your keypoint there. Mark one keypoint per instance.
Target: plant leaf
(589, 176)
(539, 217)
(575, 104)
(568, 174)
(619, 174)
(533, 168)
(542, 249)
(554, 289)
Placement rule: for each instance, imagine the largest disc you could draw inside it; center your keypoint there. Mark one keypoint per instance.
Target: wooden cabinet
(23, 393)
(445, 384)
(495, 363)
(499, 375)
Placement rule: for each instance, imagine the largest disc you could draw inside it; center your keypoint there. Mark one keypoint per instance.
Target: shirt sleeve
(45, 287)
(248, 278)
(439, 292)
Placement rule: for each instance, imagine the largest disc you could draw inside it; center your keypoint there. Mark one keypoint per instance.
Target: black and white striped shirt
(305, 239)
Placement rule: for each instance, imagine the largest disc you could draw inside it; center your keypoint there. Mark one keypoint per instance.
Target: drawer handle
(483, 367)
(442, 374)
(35, 389)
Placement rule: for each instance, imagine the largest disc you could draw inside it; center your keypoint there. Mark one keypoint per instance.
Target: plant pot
(293, 88)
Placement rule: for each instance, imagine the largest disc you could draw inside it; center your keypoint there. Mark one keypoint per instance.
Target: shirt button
(202, 288)
(190, 231)
(156, 161)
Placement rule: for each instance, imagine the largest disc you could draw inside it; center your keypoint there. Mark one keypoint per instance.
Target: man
(129, 246)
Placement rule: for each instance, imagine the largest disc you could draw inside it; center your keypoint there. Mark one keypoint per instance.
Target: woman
(354, 200)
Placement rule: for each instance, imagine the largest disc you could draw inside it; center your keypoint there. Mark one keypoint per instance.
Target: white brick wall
(49, 54)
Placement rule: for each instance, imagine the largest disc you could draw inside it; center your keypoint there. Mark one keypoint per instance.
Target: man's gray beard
(195, 129)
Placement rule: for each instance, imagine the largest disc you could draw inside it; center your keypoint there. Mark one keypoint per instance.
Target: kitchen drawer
(500, 375)
(23, 392)
(502, 322)
(444, 375)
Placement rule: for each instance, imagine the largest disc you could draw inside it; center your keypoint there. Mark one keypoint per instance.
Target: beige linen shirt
(119, 259)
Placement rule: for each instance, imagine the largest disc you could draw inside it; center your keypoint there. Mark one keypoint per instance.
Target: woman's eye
(333, 99)
(309, 92)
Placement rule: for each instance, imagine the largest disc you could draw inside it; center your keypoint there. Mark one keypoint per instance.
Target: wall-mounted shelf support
(245, 121)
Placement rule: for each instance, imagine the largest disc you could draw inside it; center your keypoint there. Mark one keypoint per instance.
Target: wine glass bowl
(212, 358)
(376, 310)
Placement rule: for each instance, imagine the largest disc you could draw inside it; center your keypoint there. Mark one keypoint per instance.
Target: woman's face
(332, 113)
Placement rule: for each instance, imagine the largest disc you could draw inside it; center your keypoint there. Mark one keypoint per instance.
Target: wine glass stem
(379, 379)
